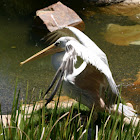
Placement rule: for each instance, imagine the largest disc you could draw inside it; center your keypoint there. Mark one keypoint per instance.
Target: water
(17, 44)
(124, 61)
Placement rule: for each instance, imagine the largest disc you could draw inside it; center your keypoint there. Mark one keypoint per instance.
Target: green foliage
(76, 122)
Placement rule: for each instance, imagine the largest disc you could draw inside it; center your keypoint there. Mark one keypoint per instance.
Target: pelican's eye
(57, 44)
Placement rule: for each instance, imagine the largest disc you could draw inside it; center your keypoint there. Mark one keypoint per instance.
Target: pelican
(91, 82)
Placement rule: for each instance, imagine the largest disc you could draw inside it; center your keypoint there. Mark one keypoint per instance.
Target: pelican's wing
(55, 35)
(86, 41)
(93, 76)
(90, 57)
(76, 33)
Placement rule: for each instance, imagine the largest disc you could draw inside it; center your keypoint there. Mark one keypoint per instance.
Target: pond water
(17, 44)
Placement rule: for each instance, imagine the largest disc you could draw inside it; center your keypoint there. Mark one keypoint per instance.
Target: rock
(5, 119)
(121, 9)
(106, 2)
(122, 35)
(131, 2)
(28, 108)
(135, 120)
(64, 102)
(137, 82)
(130, 105)
(56, 17)
(135, 42)
(128, 8)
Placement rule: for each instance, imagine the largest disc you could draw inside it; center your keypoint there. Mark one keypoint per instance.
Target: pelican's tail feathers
(130, 115)
(126, 110)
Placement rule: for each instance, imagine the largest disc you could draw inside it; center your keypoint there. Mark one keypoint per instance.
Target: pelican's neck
(57, 59)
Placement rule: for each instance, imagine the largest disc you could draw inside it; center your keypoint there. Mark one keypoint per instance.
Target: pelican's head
(58, 46)
(62, 41)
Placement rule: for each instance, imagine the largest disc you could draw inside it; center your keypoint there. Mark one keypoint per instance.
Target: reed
(74, 123)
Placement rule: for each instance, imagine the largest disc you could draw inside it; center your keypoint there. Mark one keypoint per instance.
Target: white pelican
(90, 83)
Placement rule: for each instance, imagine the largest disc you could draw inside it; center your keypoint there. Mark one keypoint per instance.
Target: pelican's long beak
(49, 50)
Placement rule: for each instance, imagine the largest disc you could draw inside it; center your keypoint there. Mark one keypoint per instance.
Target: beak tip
(21, 63)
